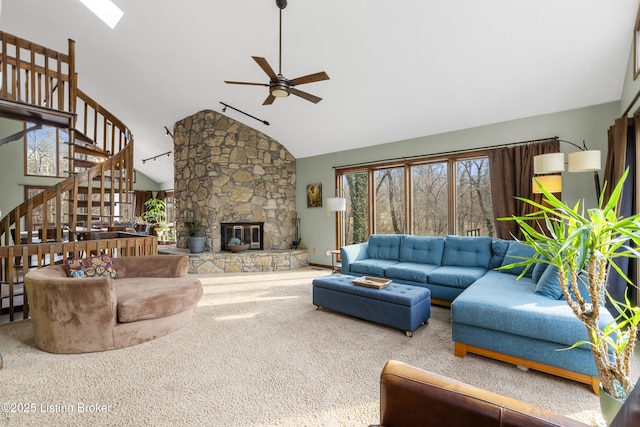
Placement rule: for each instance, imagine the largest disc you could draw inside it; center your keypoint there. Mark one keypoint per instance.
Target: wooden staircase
(39, 87)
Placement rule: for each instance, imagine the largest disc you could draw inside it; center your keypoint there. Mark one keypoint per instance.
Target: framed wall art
(314, 195)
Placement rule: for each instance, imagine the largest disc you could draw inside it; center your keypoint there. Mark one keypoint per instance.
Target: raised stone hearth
(244, 262)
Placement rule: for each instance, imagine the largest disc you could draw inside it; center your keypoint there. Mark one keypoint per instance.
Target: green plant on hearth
(156, 211)
(195, 228)
(140, 220)
(583, 247)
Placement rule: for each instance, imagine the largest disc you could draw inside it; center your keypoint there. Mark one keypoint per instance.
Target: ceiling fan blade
(246, 83)
(305, 95)
(269, 100)
(316, 77)
(265, 66)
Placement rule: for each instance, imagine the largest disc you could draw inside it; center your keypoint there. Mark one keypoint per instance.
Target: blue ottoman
(399, 306)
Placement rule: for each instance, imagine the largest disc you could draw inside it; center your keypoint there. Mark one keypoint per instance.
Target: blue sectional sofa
(526, 322)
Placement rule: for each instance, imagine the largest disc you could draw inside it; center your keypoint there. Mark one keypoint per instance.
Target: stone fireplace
(228, 174)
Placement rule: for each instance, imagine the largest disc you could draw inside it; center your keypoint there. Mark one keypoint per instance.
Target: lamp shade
(548, 163)
(584, 161)
(336, 204)
(553, 183)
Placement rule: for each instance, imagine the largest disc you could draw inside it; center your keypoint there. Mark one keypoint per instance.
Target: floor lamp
(584, 160)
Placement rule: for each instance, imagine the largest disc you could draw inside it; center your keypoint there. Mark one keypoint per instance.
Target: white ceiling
(398, 69)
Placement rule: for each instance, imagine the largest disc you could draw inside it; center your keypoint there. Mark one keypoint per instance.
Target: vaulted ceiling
(398, 69)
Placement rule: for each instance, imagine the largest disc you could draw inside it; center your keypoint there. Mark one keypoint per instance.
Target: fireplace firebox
(251, 233)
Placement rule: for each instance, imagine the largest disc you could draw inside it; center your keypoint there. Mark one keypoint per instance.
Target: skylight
(105, 10)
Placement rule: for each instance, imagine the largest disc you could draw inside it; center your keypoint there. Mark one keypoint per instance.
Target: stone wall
(228, 172)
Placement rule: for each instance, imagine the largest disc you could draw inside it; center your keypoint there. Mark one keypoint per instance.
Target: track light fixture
(168, 133)
(255, 118)
(168, 153)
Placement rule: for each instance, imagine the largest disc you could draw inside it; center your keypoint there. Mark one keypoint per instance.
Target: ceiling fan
(279, 85)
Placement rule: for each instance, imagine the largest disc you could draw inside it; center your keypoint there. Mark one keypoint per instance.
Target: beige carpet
(257, 354)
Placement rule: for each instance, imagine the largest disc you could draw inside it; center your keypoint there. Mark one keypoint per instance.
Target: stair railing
(113, 176)
(36, 75)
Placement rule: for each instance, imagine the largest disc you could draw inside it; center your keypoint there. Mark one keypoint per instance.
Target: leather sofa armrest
(152, 266)
(410, 396)
(351, 253)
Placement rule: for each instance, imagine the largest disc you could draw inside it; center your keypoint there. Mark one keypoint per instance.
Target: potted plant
(235, 245)
(583, 246)
(156, 211)
(196, 240)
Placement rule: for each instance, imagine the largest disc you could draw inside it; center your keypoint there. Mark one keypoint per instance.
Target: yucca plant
(583, 247)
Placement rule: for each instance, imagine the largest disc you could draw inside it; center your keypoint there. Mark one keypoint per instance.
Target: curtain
(616, 154)
(511, 173)
(139, 197)
(621, 154)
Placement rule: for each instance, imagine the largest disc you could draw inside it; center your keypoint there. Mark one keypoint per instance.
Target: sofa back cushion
(384, 246)
(467, 251)
(422, 249)
(517, 252)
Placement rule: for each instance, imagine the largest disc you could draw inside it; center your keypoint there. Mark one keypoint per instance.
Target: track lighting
(255, 118)
(168, 133)
(168, 153)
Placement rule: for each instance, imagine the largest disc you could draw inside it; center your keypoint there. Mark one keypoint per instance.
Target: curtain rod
(469, 150)
(633, 101)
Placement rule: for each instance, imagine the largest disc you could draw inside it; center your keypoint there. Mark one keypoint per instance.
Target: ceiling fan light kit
(279, 86)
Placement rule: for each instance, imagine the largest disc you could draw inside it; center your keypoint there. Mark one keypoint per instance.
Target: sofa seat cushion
(143, 299)
(459, 277)
(411, 271)
(498, 302)
(371, 267)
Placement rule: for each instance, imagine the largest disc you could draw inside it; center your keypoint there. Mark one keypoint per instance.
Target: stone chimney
(225, 172)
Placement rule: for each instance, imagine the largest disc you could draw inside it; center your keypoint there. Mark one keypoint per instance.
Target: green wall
(13, 180)
(589, 124)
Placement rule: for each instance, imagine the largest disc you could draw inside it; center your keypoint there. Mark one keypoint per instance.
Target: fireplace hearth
(251, 233)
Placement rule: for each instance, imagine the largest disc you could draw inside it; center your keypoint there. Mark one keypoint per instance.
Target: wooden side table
(336, 266)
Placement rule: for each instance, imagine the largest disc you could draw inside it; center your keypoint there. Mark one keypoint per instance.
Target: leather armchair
(413, 397)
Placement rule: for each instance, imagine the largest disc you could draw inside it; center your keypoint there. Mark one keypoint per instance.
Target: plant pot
(609, 406)
(238, 248)
(196, 244)
(141, 228)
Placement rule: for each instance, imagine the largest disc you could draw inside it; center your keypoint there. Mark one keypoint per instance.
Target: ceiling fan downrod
(281, 5)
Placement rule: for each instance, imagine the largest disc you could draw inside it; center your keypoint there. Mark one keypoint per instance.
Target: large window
(389, 201)
(474, 213)
(430, 200)
(429, 197)
(356, 225)
(46, 151)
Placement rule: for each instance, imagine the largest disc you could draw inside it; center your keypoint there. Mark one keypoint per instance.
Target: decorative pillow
(96, 266)
(537, 271)
(498, 249)
(515, 253)
(549, 283)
